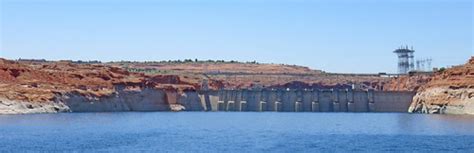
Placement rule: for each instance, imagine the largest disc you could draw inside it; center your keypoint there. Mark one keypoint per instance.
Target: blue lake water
(236, 132)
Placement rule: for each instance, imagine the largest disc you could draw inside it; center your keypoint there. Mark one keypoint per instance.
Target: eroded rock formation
(48, 87)
(450, 92)
(408, 82)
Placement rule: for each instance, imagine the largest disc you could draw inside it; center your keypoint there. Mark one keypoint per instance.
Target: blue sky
(332, 35)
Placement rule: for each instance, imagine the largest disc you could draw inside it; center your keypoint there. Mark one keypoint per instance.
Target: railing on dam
(307, 100)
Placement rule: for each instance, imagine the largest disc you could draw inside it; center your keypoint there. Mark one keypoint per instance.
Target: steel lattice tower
(406, 61)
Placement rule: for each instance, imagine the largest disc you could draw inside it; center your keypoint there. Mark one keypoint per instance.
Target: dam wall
(323, 100)
(306, 100)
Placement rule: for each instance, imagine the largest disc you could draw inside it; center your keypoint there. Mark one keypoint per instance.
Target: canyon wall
(48, 87)
(8, 106)
(147, 99)
(444, 100)
(449, 92)
(124, 100)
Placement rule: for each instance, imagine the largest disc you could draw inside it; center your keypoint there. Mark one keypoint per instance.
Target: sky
(350, 36)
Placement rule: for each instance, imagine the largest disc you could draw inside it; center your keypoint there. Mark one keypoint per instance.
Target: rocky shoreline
(122, 101)
(448, 92)
(66, 87)
(24, 107)
(456, 101)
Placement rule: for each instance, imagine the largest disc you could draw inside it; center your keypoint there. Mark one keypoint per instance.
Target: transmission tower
(405, 59)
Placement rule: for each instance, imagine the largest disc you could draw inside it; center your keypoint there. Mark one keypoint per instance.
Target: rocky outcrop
(23, 107)
(412, 82)
(48, 87)
(147, 99)
(132, 100)
(444, 100)
(448, 92)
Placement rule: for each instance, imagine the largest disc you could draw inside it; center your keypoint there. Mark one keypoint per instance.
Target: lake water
(237, 132)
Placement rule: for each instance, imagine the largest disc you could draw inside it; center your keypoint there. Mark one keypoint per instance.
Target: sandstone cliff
(45, 87)
(408, 82)
(448, 92)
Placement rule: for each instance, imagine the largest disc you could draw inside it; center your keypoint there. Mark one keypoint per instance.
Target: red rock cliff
(450, 91)
(36, 85)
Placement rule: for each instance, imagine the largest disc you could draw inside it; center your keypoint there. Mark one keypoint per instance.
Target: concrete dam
(298, 100)
(275, 100)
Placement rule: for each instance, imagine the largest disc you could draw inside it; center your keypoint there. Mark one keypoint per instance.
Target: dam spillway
(293, 100)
